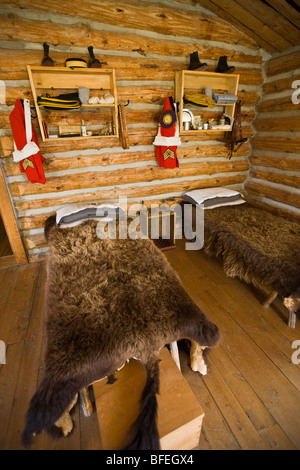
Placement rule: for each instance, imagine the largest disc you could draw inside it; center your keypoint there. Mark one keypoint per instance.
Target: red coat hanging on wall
(167, 138)
(27, 150)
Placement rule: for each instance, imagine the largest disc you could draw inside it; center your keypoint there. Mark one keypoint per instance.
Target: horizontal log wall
(146, 42)
(274, 177)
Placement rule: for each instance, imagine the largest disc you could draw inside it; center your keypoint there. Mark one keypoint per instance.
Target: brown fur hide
(255, 246)
(109, 301)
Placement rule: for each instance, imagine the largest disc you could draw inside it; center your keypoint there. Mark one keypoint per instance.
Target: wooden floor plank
(253, 406)
(8, 385)
(29, 362)
(276, 438)
(234, 414)
(89, 432)
(16, 312)
(274, 345)
(258, 414)
(6, 286)
(215, 433)
(2, 274)
(14, 323)
(280, 397)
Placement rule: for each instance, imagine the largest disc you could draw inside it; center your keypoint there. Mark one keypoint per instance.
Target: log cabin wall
(274, 177)
(146, 42)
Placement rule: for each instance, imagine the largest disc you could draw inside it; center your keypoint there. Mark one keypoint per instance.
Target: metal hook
(33, 111)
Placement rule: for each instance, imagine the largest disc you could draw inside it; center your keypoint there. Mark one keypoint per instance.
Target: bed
(109, 299)
(254, 245)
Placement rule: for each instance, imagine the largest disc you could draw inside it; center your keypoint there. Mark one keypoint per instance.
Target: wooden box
(57, 80)
(179, 413)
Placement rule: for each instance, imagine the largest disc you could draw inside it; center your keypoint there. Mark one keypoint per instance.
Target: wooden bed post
(270, 299)
(175, 353)
(292, 315)
(292, 303)
(86, 402)
(292, 320)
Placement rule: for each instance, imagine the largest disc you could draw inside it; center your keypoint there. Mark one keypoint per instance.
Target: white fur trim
(167, 141)
(31, 148)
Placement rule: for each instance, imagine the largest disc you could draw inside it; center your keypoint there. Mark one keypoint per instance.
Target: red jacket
(167, 137)
(27, 150)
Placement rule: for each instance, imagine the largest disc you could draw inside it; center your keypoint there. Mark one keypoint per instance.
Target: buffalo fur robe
(109, 301)
(256, 246)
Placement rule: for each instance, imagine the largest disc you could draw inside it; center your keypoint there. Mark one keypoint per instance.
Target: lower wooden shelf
(201, 131)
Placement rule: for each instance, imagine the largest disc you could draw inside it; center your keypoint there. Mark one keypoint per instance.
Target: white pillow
(72, 214)
(214, 197)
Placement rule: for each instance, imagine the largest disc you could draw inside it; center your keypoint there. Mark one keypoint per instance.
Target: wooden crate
(193, 81)
(179, 413)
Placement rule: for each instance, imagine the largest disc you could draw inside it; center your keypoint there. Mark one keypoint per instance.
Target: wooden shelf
(98, 105)
(53, 79)
(195, 82)
(196, 131)
(80, 137)
(224, 104)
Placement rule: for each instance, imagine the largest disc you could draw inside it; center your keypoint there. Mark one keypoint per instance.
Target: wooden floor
(251, 396)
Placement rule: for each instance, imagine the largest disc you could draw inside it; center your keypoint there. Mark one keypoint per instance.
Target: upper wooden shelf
(48, 79)
(67, 78)
(189, 81)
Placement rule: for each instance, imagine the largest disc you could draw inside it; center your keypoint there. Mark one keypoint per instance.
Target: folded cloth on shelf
(198, 100)
(65, 101)
(226, 127)
(84, 94)
(225, 98)
(107, 98)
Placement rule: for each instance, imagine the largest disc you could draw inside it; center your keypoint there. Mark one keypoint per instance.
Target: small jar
(205, 126)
